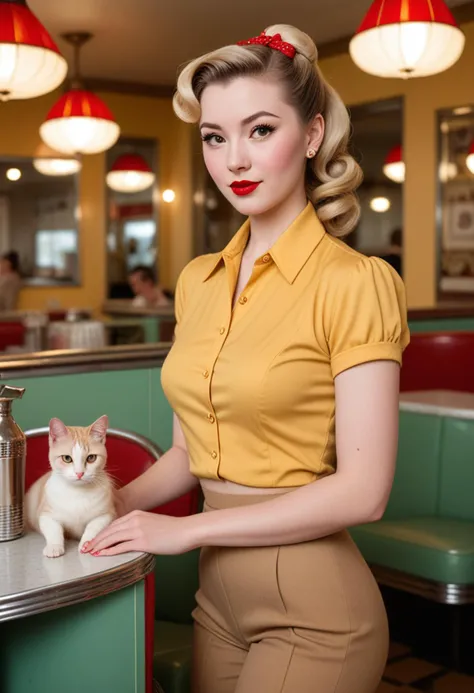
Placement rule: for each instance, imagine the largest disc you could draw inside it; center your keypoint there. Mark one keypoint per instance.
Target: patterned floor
(406, 673)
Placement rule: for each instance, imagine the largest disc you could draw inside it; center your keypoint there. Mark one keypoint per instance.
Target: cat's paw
(53, 550)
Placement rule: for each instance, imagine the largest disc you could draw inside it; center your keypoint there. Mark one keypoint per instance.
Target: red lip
(244, 187)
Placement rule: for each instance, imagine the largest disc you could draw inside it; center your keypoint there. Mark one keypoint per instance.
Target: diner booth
(82, 344)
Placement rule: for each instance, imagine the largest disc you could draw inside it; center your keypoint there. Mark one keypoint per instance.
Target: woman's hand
(141, 531)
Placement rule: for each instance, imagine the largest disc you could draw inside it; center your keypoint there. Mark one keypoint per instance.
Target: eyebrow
(246, 121)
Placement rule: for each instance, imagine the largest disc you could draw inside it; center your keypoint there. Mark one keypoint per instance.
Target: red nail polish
(96, 553)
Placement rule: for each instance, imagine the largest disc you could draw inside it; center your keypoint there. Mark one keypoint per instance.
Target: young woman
(284, 379)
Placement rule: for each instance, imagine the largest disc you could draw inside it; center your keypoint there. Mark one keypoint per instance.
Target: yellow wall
(140, 117)
(423, 97)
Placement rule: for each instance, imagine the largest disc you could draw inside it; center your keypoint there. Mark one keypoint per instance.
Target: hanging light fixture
(30, 61)
(407, 38)
(470, 158)
(394, 166)
(130, 173)
(80, 122)
(52, 163)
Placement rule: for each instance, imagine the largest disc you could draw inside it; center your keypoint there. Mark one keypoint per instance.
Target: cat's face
(78, 453)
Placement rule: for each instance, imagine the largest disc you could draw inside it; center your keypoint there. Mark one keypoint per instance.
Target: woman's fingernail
(96, 553)
(85, 547)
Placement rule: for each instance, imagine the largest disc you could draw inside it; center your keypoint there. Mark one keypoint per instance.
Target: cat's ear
(57, 430)
(98, 429)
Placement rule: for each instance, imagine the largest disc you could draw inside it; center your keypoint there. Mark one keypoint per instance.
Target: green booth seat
(434, 548)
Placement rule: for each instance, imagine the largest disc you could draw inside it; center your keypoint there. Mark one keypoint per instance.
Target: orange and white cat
(76, 498)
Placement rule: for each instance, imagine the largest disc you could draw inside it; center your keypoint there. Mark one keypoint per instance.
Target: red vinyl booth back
(126, 460)
(439, 361)
(11, 334)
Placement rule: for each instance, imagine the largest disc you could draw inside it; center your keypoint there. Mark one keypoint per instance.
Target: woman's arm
(167, 479)
(366, 444)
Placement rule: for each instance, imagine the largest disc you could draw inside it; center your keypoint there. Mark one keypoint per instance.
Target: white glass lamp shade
(130, 173)
(415, 38)
(30, 61)
(80, 123)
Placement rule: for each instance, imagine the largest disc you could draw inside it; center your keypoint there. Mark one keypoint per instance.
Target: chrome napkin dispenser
(12, 466)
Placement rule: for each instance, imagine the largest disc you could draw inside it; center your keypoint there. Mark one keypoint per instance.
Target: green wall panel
(93, 647)
(442, 325)
(457, 469)
(415, 488)
(133, 400)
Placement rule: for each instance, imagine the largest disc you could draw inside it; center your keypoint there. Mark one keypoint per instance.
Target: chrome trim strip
(73, 592)
(84, 360)
(450, 593)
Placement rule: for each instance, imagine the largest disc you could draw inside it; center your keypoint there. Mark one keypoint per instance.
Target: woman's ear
(316, 133)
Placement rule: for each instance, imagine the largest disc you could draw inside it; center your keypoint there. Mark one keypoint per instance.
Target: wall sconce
(168, 195)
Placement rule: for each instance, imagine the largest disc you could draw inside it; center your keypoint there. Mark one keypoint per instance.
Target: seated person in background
(394, 255)
(148, 294)
(10, 280)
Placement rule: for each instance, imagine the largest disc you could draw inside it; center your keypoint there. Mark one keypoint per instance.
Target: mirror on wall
(376, 143)
(39, 221)
(132, 211)
(455, 208)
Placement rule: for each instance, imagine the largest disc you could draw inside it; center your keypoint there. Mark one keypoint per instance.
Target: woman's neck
(266, 228)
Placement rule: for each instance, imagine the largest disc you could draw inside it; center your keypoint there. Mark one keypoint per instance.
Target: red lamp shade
(79, 122)
(470, 158)
(394, 166)
(30, 62)
(130, 173)
(407, 38)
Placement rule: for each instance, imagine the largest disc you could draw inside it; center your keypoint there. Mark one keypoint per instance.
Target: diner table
(449, 403)
(72, 624)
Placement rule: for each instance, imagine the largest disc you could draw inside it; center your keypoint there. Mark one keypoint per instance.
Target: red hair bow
(274, 42)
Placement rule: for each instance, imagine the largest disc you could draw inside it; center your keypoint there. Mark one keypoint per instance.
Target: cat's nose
(79, 475)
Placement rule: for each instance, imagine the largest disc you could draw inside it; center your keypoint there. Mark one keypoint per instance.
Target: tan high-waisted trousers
(301, 618)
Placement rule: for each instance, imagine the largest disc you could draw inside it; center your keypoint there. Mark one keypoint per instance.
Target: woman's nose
(238, 159)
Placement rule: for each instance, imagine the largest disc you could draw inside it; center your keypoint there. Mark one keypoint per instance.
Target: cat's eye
(91, 458)
(67, 458)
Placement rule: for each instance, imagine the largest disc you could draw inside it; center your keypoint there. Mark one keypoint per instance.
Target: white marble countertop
(31, 583)
(459, 405)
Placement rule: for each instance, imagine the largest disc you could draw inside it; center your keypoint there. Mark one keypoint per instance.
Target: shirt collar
(289, 253)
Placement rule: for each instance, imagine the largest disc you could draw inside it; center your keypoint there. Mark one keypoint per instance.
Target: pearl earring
(311, 153)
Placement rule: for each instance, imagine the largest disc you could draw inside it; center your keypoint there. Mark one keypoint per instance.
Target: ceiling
(145, 41)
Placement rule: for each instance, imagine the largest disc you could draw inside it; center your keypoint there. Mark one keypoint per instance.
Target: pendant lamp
(80, 122)
(470, 158)
(30, 61)
(394, 166)
(52, 163)
(130, 173)
(407, 38)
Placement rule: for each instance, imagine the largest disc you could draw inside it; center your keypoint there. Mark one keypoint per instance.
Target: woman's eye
(67, 458)
(91, 458)
(212, 139)
(262, 131)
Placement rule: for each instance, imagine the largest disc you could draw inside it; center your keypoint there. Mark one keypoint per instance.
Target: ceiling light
(168, 195)
(412, 38)
(130, 173)
(51, 163)
(13, 174)
(394, 166)
(470, 158)
(80, 122)
(30, 61)
(380, 204)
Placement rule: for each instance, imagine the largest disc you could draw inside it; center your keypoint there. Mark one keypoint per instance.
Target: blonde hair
(333, 176)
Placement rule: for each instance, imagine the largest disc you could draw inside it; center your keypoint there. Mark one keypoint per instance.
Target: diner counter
(31, 583)
(83, 360)
(459, 405)
(76, 623)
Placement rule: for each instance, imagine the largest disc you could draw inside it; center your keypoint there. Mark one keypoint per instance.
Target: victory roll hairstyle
(333, 175)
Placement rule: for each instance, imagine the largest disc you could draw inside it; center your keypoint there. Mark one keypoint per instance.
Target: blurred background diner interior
(104, 198)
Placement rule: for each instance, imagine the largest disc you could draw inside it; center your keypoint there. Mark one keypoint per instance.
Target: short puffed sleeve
(366, 315)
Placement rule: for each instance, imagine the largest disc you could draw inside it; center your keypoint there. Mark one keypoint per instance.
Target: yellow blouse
(253, 387)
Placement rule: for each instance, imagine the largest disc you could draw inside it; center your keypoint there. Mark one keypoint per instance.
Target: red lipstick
(244, 187)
